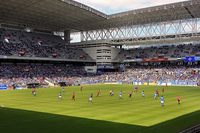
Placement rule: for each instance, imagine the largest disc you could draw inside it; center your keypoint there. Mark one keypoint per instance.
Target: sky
(116, 6)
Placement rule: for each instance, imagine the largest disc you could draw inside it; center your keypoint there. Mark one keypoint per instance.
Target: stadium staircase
(49, 82)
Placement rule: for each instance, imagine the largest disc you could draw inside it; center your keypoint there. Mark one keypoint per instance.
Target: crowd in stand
(26, 44)
(30, 44)
(39, 73)
(149, 74)
(172, 51)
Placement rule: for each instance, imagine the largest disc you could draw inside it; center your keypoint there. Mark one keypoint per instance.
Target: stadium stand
(36, 51)
(170, 51)
(21, 43)
(55, 73)
(37, 73)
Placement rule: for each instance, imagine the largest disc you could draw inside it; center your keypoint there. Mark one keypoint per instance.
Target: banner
(133, 60)
(189, 59)
(3, 87)
(197, 58)
(154, 59)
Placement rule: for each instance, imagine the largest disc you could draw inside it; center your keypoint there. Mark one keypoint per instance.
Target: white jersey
(155, 95)
(90, 99)
(120, 94)
(143, 93)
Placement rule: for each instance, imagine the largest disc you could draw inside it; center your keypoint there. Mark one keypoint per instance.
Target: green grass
(44, 113)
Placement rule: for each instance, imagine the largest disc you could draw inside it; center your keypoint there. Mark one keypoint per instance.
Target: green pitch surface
(20, 112)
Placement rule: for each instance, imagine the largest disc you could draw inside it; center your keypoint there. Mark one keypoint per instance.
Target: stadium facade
(39, 31)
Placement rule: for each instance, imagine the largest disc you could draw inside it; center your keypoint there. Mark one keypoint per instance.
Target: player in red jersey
(136, 89)
(73, 96)
(130, 94)
(81, 88)
(98, 93)
(157, 92)
(179, 100)
(163, 90)
(34, 91)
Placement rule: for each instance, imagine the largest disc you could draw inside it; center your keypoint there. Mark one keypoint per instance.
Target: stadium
(136, 71)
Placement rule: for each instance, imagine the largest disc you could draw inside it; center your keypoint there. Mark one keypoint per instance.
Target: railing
(194, 129)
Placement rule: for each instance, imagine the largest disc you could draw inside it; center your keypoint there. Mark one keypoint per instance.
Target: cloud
(116, 6)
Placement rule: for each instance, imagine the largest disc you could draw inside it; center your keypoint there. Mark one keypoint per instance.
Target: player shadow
(23, 121)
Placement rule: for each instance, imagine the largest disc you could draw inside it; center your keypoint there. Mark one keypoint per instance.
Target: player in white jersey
(60, 95)
(162, 101)
(120, 94)
(142, 93)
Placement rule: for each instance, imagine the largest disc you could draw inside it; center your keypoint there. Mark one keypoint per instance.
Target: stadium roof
(53, 15)
(168, 12)
(59, 15)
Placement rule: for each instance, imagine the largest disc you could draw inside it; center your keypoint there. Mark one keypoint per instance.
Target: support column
(67, 36)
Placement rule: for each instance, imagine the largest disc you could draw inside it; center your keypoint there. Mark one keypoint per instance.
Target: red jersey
(178, 98)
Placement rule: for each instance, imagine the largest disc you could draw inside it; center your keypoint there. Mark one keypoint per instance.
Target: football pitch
(21, 112)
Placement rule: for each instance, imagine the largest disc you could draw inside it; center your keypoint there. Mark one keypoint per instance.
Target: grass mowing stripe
(137, 111)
